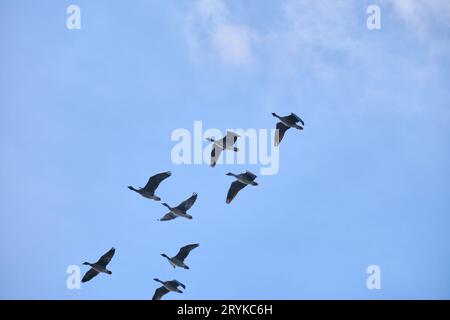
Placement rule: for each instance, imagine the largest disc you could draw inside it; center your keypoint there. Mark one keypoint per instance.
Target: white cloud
(233, 43)
(324, 38)
(421, 14)
(209, 30)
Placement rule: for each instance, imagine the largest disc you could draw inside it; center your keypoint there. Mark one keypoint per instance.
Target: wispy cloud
(210, 31)
(323, 38)
(421, 15)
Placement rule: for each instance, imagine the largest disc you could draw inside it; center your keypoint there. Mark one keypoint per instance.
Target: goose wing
(154, 181)
(184, 251)
(215, 154)
(230, 139)
(159, 293)
(106, 258)
(295, 118)
(168, 216)
(234, 189)
(279, 133)
(188, 203)
(91, 273)
(178, 283)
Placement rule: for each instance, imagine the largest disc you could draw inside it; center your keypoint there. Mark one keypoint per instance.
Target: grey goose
(178, 260)
(167, 286)
(285, 123)
(153, 182)
(99, 266)
(243, 180)
(180, 210)
(226, 143)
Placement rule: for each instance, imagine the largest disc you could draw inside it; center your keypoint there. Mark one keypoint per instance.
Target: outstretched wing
(159, 293)
(250, 175)
(295, 118)
(230, 139)
(106, 258)
(187, 204)
(279, 133)
(184, 251)
(178, 283)
(168, 216)
(89, 275)
(215, 154)
(234, 189)
(155, 180)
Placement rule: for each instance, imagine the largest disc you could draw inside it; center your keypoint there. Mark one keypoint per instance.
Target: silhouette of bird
(180, 210)
(285, 123)
(167, 286)
(153, 182)
(99, 266)
(178, 260)
(243, 179)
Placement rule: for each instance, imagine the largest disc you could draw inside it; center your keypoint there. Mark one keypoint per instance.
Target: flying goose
(153, 182)
(243, 180)
(178, 260)
(180, 210)
(167, 286)
(285, 123)
(99, 266)
(226, 143)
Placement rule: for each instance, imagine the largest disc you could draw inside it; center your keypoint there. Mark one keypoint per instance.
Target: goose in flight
(178, 260)
(285, 123)
(99, 266)
(226, 143)
(149, 190)
(180, 210)
(243, 180)
(167, 286)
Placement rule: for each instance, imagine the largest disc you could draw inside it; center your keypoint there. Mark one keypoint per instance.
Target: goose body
(178, 260)
(226, 143)
(167, 286)
(180, 210)
(290, 121)
(99, 266)
(153, 182)
(242, 180)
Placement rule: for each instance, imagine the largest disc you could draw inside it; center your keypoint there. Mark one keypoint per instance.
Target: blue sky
(85, 113)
